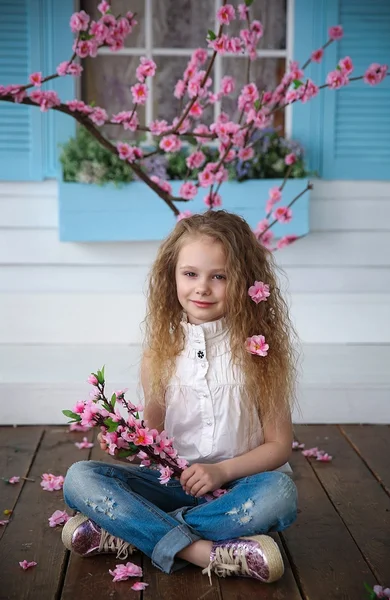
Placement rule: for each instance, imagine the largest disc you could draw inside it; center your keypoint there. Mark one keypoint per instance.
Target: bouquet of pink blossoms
(127, 436)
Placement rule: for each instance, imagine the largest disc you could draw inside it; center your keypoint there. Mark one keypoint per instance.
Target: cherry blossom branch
(307, 188)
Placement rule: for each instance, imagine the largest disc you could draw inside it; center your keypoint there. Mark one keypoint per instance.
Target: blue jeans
(160, 520)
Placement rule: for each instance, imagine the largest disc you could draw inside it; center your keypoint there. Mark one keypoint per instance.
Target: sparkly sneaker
(83, 536)
(257, 556)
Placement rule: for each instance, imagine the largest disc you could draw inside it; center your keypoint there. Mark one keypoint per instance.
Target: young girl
(224, 398)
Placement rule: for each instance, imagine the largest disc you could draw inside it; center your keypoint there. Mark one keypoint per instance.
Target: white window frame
(149, 51)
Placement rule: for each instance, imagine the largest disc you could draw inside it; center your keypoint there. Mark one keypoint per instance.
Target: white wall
(67, 309)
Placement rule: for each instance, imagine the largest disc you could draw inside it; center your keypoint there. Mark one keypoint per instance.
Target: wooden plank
(359, 499)
(325, 559)
(188, 583)
(29, 536)
(17, 449)
(372, 443)
(88, 578)
(238, 588)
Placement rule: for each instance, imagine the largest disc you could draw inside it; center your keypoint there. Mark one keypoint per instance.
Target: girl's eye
(220, 277)
(190, 274)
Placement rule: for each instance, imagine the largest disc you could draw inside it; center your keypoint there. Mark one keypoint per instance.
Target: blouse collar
(212, 332)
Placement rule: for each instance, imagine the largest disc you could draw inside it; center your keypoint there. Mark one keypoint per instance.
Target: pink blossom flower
(46, 99)
(196, 111)
(336, 79)
(58, 518)
(243, 12)
(140, 93)
(381, 592)
(36, 79)
(206, 178)
(246, 153)
(158, 127)
(213, 200)
(336, 32)
(84, 444)
(199, 129)
(297, 446)
(257, 345)
(14, 479)
(99, 116)
(51, 482)
(123, 572)
(308, 91)
(164, 185)
(143, 437)
(124, 152)
(80, 106)
(261, 226)
(266, 238)
(139, 586)
(66, 68)
(227, 85)
(103, 7)
(79, 21)
(249, 95)
(290, 159)
(346, 65)
(226, 14)
(275, 194)
(199, 56)
(4, 522)
(286, 241)
(259, 292)
(195, 160)
(27, 565)
(92, 379)
(170, 143)
(147, 68)
(375, 74)
(219, 45)
(184, 215)
(283, 214)
(316, 55)
(180, 89)
(165, 474)
(182, 463)
(234, 45)
(188, 190)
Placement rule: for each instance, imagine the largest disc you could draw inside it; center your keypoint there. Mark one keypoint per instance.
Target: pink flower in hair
(257, 345)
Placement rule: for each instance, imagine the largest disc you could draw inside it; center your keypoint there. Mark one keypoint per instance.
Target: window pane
(165, 105)
(272, 14)
(265, 72)
(182, 24)
(107, 82)
(121, 7)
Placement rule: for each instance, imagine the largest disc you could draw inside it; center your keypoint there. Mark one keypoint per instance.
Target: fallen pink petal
(139, 586)
(297, 446)
(14, 479)
(123, 572)
(4, 522)
(310, 452)
(27, 565)
(324, 457)
(51, 483)
(58, 517)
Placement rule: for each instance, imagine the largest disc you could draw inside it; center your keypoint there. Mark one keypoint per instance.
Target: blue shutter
(20, 126)
(346, 132)
(34, 36)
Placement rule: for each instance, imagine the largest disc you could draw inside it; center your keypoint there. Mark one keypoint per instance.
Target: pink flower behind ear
(259, 292)
(257, 345)
(27, 565)
(139, 586)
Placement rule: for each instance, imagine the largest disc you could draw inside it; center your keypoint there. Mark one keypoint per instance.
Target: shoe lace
(111, 543)
(227, 561)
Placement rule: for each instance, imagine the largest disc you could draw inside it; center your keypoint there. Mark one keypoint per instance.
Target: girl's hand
(102, 443)
(199, 479)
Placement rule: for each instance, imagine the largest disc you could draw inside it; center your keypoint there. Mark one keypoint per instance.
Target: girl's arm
(272, 454)
(154, 413)
(199, 479)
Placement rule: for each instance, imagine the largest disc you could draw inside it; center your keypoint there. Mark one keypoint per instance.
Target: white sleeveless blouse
(204, 410)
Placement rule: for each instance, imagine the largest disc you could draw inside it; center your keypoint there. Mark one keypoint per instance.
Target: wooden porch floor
(340, 540)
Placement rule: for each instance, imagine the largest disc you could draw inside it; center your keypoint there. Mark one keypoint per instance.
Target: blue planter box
(91, 213)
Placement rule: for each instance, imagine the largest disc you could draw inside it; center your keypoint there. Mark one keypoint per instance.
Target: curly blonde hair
(270, 381)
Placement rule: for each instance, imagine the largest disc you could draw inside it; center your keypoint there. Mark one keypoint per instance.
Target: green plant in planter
(84, 160)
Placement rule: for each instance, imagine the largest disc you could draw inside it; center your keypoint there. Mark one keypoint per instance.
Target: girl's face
(201, 279)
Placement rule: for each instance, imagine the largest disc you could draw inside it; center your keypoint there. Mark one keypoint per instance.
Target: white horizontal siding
(115, 318)
(67, 309)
